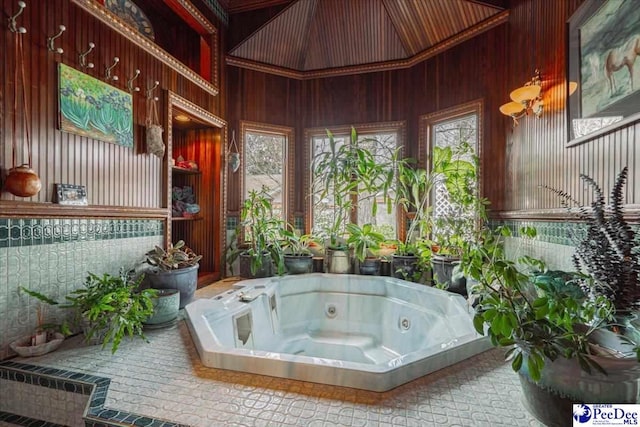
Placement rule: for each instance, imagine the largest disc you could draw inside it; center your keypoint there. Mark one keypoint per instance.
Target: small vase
(22, 181)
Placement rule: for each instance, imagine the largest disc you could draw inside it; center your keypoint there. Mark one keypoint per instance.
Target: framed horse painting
(604, 46)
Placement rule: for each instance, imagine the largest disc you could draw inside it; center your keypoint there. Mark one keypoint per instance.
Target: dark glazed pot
(298, 264)
(404, 266)
(370, 267)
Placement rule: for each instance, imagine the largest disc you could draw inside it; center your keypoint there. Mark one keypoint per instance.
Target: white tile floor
(165, 379)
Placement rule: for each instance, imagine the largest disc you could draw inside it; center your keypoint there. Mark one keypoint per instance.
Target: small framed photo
(70, 194)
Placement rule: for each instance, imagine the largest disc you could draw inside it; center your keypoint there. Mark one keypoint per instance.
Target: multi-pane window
(382, 145)
(460, 134)
(265, 165)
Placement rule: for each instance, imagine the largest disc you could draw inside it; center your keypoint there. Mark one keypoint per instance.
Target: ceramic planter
(370, 267)
(166, 307)
(184, 280)
(564, 383)
(265, 270)
(24, 348)
(298, 264)
(443, 272)
(404, 266)
(338, 261)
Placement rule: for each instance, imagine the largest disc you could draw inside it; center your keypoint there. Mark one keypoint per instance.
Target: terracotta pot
(22, 181)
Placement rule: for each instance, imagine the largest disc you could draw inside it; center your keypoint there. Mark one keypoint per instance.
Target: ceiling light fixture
(182, 118)
(525, 100)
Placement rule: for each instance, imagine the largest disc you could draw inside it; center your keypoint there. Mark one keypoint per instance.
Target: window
(456, 130)
(265, 154)
(381, 141)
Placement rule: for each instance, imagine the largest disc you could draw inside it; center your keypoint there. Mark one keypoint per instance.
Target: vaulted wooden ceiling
(319, 38)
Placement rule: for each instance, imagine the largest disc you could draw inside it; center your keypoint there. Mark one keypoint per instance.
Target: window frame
(288, 166)
(363, 129)
(427, 123)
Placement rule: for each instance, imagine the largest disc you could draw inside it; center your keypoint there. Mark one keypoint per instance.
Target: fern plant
(609, 251)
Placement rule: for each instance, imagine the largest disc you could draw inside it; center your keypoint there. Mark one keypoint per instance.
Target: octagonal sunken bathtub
(366, 332)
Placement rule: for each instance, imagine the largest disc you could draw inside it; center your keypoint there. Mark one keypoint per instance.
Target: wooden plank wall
(468, 72)
(536, 152)
(516, 161)
(114, 175)
(203, 236)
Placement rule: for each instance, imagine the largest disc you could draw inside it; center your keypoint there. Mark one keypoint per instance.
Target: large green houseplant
(348, 175)
(174, 267)
(569, 335)
(262, 231)
(108, 308)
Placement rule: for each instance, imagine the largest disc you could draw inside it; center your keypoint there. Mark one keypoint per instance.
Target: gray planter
(165, 307)
(265, 270)
(404, 266)
(298, 264)
(184, 280)
(443, 272)
(564, 383)
(369, 267)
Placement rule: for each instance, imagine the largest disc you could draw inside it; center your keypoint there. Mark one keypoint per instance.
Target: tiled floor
(165, 379)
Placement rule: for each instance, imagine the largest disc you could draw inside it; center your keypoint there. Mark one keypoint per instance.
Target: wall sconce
(525, 100)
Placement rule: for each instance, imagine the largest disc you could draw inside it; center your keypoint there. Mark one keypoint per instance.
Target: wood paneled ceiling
(321, 38)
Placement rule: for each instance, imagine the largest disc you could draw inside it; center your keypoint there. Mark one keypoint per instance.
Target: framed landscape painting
(92, 108)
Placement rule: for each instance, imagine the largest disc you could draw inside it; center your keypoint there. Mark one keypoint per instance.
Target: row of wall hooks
(109, 74)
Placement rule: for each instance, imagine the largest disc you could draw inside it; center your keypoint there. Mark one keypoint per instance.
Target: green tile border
(16, 232)
(75, 382)
(558, 232)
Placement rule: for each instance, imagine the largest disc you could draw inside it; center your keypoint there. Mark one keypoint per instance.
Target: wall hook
(83, 57)
(107, 71)
(12, 20)
(51, 41)
(151, 89)
(130, 82)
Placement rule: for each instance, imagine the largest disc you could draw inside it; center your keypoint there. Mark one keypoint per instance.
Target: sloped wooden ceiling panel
(423, 24)
(282, 41)
(317, 37)
(351, 33)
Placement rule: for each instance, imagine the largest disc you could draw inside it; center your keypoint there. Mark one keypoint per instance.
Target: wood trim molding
(192, 16)
(101, 13)
(631, 214)
(11, 209)
(289, 133)
(471, 32)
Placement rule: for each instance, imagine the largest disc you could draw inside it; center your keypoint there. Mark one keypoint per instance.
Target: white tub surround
(372, 333)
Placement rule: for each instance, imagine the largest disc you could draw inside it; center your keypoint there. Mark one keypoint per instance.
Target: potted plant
(341, 173)
(570, 337)
(262, 231)
(413, 193)
(454, 222)
(108, 308)
(298, 258)
(363, 240)
(111, 307)
(175, 267)
(46, 337)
